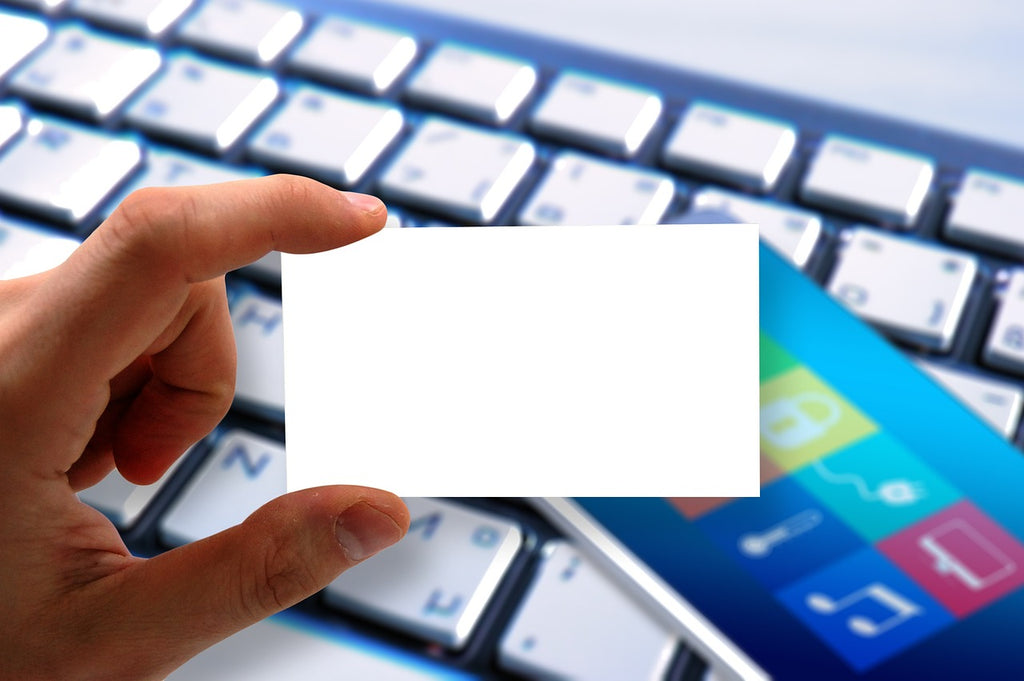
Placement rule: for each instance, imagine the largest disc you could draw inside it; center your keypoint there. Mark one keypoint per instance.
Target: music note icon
(902, 608)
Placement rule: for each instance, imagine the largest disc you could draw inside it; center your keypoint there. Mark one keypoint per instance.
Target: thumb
(201, 593)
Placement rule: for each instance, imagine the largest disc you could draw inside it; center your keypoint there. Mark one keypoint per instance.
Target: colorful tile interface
(853, 533)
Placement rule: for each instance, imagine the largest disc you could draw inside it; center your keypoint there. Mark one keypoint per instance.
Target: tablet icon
(761, 544)
(898, 607)
(960, 556)
(962, 552)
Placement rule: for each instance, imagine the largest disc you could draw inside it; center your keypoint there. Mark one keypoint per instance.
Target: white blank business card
(526, 361)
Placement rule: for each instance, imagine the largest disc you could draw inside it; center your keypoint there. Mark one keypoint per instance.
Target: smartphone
(887, 542)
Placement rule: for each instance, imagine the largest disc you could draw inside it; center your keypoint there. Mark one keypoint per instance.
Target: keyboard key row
(435, 584)
(92, 74)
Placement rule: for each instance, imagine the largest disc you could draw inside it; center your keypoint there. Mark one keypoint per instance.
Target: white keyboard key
(1004, 348)
(202, 103)
(731, 146)
(253, 31)
(790, 231)
(475, 84)
(997, 402)
(25, 249)
(63, 172)
(19, 36)
(243, 472)
(437, 580)
(148, 18)
(122, 501)
(576, 624)
(165, 168)
(579, 190)
(601, 115)
(259, 338)
(912, 291)
(11, 121)
(290, 647)
(86, 73)
(457, 170)
(354, 55)
(333, 137)
(987, 213)
(874, 182)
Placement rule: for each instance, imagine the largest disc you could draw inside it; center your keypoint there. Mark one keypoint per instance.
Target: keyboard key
(11, 121)
(731, 146)
(291, 646)
(86, 73)
(252, 31)
(259, 338)
(243, 472)
(472, 83)
(19, 36)
(1004, 347)
(597, 114)
(790, 231)
(354, 55)
(579, 190)
(165, 168)
(436, 582)
(25, 249)
(149, 18)
(570, 608)
(986, 213)
(912, 291)
(333, 137)
(122, 501)
(202, 103)
(997, 402)
(458, 170)
(868, 181)
(63, 172)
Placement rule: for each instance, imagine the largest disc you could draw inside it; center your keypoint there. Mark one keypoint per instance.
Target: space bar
(293, 646)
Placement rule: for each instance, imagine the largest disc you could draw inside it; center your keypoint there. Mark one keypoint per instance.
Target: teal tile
(877, 486)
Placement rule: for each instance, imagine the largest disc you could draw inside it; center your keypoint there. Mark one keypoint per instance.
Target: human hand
(125, 354)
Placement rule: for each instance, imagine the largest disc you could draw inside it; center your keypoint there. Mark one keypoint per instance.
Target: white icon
(939, 542)
(894, 492)
(902, 608)
(788, 422)
(760, 544)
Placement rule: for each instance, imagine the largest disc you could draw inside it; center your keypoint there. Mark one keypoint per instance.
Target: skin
(124, 355)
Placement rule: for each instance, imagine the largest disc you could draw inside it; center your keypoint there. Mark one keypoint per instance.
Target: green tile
(774, 360)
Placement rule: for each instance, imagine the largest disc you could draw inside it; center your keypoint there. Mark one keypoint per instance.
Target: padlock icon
(793, 421)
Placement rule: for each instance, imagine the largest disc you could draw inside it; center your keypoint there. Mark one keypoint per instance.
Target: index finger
(110, 300)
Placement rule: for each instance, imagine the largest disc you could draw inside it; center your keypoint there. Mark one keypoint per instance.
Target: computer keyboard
(457, 123)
